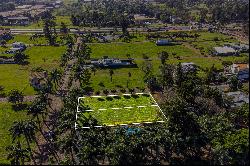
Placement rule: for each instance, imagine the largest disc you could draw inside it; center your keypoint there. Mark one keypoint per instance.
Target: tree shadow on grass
(19, 107)
(24, 63)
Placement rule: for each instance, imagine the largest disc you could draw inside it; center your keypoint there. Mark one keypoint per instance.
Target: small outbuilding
(188, 67)
(225, 51)
(238, 98)
(238, 47)
(162, 42)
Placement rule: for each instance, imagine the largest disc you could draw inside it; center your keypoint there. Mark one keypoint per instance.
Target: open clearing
(15, 76)
(118, 110)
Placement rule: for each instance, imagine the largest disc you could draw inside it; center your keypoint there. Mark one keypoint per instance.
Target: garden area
(119, 109)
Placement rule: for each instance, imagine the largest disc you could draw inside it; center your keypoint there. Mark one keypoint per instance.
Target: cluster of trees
(174, 35)
(111, 13)
(209, 10)
(108, 13)
(4, 6)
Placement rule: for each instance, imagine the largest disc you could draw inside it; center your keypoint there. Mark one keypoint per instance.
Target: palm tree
(55, 76)
(164, 56)
(111, 72)
(36, 109)
(15, 97)
(128, 56)
(27, 129)
(93, 70)
(20, 57)
(69, 146)
(17, 155)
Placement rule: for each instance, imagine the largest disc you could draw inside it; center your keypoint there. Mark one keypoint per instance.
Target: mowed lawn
(26, 39)
(123, 109)
(7, 117)
(17, 76)
(137, 49)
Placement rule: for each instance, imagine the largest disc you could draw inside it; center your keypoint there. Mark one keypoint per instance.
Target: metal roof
(224, 50)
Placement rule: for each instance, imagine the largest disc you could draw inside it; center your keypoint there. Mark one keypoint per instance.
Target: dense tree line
(108, 13)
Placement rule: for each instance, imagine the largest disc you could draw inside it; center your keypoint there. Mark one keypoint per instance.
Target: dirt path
(56, 104)
(26, 99)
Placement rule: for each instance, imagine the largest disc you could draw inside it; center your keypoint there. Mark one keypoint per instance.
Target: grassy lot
(39, 24)
(7, 117)
(2, 51)
(26, 39)
(48, 57)
(17, 77)
(136, 50)
(120, 109)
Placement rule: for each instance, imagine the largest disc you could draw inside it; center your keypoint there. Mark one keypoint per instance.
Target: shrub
(118, 86)
(109, 98)
(142, 89)
(105, 91)
(127, 97)
(216, 39)
(135, 96)
(100, 99)
(113, 91)
(101, 84)
(117, 97)
(123, 90)
(131, 90)
(147, 95)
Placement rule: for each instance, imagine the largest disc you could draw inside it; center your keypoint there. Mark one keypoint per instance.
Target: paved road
(83, 30)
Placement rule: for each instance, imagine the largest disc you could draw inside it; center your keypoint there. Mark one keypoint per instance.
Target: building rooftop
(18, 18)
(187, 63)
(143, 17)
(23, 7)
(224, 50)
(38, 7)
(238, 97)
(241, 66)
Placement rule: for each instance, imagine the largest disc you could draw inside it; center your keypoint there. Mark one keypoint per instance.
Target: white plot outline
(113, 125)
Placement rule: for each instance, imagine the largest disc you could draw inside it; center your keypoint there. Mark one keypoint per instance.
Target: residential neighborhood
(124, 82)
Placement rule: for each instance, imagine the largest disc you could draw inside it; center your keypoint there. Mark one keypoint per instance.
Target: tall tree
(20, 57)
(17, 155)
(26, 129)
(164, 56)
(15, 96)
(49, 28)
(111, 73)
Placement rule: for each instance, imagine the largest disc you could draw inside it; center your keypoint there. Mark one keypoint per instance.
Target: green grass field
(124, 109)
(17, 76)
(136, 51)
(26, 39)
(7, 117)
(39, 24)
